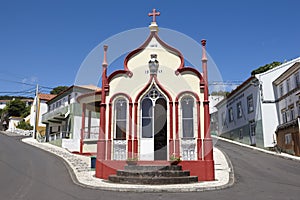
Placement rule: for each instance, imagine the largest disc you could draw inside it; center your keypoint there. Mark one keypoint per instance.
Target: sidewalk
(81, 173)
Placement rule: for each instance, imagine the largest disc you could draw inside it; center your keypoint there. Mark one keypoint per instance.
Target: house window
(284, 117)
(187, 105)
(298, 105)
(281, 90)
(297, 80)
(292, 113)
(250, 103)
(230, 112)
(288, 139)
(120, 118)
(239, 109)
(69, 99)
(287, 85)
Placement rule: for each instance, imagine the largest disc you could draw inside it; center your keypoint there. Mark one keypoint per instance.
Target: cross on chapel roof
(154, 14)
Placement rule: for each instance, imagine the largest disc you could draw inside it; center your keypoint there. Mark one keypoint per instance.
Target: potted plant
(132, 161)
(174, 160)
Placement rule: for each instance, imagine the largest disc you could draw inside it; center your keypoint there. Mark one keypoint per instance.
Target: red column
(109, 140)
(101, 144)
(171, 141)
(129, 143)
(207, 141)
(135, 141)
(177, 148)
(199, 139)
(82, 127)
(101, 151)
(89, 123)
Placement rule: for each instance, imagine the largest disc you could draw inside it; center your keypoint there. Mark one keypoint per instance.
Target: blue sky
(45, 42)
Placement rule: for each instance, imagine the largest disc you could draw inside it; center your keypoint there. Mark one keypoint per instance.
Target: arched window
(187, 106)
(120, 106)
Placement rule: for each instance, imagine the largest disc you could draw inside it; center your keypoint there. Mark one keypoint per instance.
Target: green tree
(24, 125)
(3, 118)
(265, 68)
(220, 93)
(58, 89)
(15, 108)
(26, 112)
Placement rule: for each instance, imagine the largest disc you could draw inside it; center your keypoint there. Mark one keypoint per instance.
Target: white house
(13, 123)
(213, 111)
(249, 113)
(63, 118)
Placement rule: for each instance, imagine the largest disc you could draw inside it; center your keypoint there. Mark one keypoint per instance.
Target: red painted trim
(176, 120)
(171, 120)
(130, 131)
(109, 132)
(119, 72)
(172, 50)
(198, 119)
(109, 149)
(120, 94)
(129, 150)
(109, 120)
(130, 120)
(190, 69)
(199, 149)
(135, 143)
(188, 92)
(134, 52)
(161, 87)
(144, 45)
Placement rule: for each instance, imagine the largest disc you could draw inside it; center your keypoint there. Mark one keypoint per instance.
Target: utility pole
(36, 111)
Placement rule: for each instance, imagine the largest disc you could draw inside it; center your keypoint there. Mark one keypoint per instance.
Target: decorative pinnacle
(104, 64)
(203, 42)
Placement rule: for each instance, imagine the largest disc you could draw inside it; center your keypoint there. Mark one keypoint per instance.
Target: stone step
(152, 167)
(159, 173)
(153, 180)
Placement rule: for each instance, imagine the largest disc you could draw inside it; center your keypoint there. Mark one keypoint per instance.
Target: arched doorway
(153, 135)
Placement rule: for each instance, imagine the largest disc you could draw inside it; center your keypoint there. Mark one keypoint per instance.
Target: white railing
(188, 147)
(119, 152)
(91, 133)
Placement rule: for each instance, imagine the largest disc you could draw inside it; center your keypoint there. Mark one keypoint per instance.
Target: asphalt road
(30, 173)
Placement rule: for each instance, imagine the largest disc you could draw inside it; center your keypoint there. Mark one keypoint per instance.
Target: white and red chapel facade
(154, 109)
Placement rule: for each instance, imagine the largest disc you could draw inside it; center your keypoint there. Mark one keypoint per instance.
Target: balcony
(56, 115)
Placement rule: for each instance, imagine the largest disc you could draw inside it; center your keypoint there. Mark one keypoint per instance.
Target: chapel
(155, 109)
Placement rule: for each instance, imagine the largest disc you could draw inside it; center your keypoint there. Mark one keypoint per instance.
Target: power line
(225, 82)
(18, 82)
